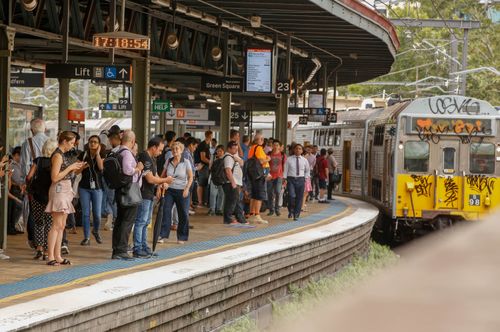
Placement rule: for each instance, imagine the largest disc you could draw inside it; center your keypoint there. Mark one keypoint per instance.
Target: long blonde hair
(49, 147)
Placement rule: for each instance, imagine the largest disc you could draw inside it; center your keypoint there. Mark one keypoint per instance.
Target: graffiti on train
(453, 105)
(465, 129)
(451, 192)
(423, 185)
(481, 183)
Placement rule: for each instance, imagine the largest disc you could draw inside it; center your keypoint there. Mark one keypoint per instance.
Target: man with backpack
(277, 164)
(121, 170)
(233, 173)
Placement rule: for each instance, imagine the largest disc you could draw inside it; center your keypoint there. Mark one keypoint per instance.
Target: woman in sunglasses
(90, 189)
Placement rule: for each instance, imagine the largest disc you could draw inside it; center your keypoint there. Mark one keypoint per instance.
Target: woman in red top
(274, 185)
(322, 171)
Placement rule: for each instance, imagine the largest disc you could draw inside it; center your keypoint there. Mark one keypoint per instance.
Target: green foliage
(243, 324)
(484, 47)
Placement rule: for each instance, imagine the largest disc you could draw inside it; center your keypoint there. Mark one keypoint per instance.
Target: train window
(482, 158)
(322, 134)
(331, 137)
(357, 160)
(315, 137)
(337, 137)
(379, 135)
(449, 160)
(416, 156)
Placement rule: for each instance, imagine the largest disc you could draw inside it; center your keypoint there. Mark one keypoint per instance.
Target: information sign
(76, 115)
(283, 87)
(84, 71)
(259, 70)
(197, 122)
(22, 79)
(315, 99)
(161, 105)
(303, 120)
(332, 117)
(221, 84)
(240, 116)
(187, 114)
(115, 106)
(122, 40)
(309, 110)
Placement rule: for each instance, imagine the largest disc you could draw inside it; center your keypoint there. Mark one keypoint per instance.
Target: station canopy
(344, 35)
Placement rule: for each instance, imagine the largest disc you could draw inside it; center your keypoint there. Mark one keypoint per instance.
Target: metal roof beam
(431, 23)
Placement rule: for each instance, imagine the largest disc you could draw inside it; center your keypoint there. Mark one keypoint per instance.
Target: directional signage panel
(115, 106)
(197, 122)
(303, 120)
(240, 116)
(308, 110)
(221, 84)
(187, 114)
(27, 79)
(84, 71)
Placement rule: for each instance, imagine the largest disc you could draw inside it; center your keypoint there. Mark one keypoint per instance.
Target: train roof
(450, 105)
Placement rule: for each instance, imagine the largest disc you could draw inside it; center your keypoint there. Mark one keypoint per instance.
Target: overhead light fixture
(219, 108)
(29, 5)
(191, 97)
(353, 56)
(172, 41)
(255, 21)
(210, 100)
(240, 62)
(216, 53)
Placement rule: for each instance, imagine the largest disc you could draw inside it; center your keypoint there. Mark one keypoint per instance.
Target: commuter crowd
(53, 186)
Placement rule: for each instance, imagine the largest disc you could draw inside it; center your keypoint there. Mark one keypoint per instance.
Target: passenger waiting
(61, 195)
(296, 172)
(90, 189)
(232, 188)
(180, 169)
(216, 192)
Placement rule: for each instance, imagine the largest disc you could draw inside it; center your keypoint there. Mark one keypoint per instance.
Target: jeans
(331, 186)
(216, 197)
(231, 204)
(174, 196)
(88, 196)
(110, 200)
(15, 210)
(123, 226)
(295, 188)
(144, 214)
(273, 194)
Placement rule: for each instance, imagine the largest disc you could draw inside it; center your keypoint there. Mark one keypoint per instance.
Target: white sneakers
(2, 255)
(257, 219)
(109, 223)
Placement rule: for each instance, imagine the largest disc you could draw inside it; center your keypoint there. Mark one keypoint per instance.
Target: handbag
(336, 177)
(131, 194)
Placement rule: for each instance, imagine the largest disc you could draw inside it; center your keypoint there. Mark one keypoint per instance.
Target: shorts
(259, 190)
(203, 175)
(322, 184)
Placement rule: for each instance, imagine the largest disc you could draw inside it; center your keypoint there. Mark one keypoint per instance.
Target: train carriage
(426, 162)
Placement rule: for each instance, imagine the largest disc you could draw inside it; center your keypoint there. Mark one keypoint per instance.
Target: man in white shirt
(233, 168)
(296, 171)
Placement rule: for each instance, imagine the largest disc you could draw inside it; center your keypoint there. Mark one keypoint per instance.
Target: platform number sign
(283, 86)
(474, 200)
(303, 120)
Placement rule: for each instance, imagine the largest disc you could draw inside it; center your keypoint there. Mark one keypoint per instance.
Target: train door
(369, 165)
(448, 176)
(346, 171)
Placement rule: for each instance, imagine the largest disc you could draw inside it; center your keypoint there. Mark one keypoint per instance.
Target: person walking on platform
(180, 169)
(322, 175)
(126, 213)
(39, 178)
(148, 190)
(114, 140)
(216, 192)
(296, 172)
(232, 188)
(90, 189)
(61, 195)
(332, 168)
(31, 149)
(275, 184)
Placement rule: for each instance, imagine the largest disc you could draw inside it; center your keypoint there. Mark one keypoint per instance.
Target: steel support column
(6, 47)
(465, 50)
(64, 103)
(225, 117)
(140, 102)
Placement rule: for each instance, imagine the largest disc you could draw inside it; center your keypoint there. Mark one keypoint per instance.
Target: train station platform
(219, 274)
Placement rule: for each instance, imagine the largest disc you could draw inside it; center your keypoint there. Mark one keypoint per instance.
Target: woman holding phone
(90, 189)
(61, 195)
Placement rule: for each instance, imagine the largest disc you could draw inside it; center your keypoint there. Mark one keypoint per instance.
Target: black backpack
(218, 172)
(113, 173)
(41, 181)
(161, 160)
(254, 169)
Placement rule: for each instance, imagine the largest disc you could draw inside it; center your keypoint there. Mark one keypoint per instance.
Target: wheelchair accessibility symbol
(110, 72)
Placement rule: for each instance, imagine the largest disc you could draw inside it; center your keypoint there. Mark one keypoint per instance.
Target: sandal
(39, 254)
(65, 262)
(45, 257)
(53, 263)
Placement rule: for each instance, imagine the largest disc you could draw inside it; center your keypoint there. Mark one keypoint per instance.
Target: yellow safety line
(162, 262)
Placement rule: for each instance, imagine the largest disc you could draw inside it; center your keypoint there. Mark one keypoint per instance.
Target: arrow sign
(91, 72)
(187, 114)
(115, 107)
(240, 116)
(123, 72)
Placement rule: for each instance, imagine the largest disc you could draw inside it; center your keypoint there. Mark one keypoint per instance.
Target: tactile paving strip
(73, 273)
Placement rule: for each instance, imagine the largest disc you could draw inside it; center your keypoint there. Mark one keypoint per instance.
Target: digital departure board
(259, 69)
(121, 42)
